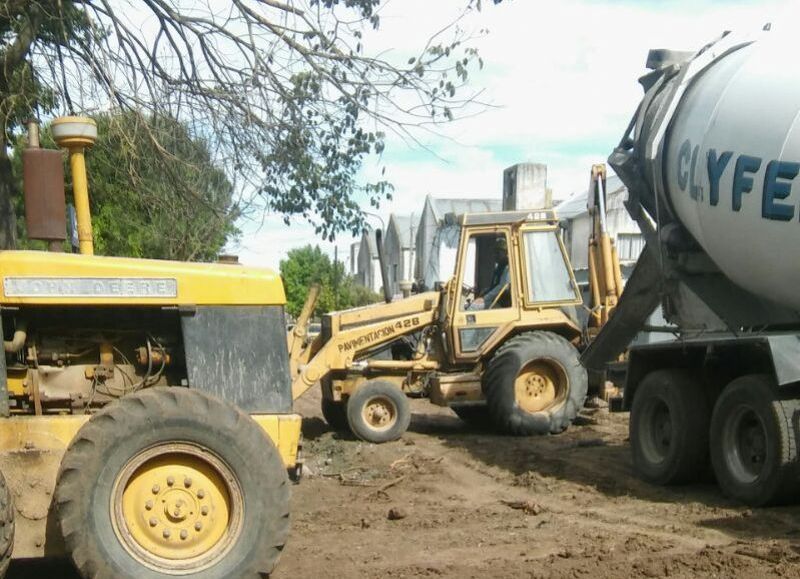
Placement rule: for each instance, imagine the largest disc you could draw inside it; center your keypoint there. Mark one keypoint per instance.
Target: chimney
(525, 187)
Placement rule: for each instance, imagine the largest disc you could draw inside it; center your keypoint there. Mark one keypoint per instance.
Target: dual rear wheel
(747, 435)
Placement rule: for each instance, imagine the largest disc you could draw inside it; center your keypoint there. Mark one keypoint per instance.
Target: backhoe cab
(497, 344)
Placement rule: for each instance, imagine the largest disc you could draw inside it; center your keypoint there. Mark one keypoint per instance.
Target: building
(398, 249)
(368, 266)
(437, 237)
(621, 227)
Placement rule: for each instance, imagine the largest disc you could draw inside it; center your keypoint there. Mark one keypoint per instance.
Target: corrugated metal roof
(406, 226)
(443, 206)
(575, 204)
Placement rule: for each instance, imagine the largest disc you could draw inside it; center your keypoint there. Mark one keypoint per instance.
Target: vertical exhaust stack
(78, 134)
(43, 188)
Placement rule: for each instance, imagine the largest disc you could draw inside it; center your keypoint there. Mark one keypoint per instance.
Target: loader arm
(605, 275)
(296, 338)
(350, 334)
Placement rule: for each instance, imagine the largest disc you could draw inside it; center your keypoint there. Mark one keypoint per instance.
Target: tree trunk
(8, 190)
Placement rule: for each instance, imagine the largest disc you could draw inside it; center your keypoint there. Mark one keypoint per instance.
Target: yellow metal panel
(284, 430)
(197, 283)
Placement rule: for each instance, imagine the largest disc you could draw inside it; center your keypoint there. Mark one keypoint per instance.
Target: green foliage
(148, 204)
(308, 265)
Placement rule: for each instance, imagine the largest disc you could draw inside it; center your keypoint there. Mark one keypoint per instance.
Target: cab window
(546, 268)
(486, 275)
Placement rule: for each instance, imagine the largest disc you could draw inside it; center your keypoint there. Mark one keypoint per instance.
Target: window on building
(629, 246)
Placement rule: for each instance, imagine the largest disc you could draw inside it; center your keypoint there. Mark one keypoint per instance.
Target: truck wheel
(477, 416)
(6, 526)
(171, 482)
(535, 384)
(378, 411)
(753, 447)
(669, 428)
(335, 413)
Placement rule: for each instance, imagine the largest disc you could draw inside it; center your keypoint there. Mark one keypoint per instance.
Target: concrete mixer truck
(711, 159)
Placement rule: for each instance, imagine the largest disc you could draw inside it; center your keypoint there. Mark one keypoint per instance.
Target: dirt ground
(452, 502)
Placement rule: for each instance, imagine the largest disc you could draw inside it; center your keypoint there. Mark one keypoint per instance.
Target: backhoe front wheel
(378, 411)
(170, 482)
(535, 384)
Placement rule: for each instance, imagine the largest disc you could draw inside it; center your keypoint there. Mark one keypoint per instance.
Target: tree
(308, 265)
(283, 91)
(135, 209)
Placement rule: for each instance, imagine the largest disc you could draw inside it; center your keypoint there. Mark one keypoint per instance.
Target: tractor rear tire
(6, 526)
(335, 414)
(754, 444)
(172, 482)
(668, 426)
(378, 412)
(535, 384)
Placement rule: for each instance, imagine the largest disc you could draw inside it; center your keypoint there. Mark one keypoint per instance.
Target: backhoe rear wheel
(170, 482)
(378, 411)
(535, 384)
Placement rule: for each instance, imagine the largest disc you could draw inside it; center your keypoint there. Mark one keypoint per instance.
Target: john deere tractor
(146, 424)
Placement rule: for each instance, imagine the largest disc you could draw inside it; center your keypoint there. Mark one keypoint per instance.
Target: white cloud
(562, 76)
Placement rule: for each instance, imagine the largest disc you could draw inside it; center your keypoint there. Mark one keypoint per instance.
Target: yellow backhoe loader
(498, 343)
(146, 424)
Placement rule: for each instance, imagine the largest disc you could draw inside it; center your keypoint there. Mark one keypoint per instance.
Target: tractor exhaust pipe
(43, 189)
(387, 291)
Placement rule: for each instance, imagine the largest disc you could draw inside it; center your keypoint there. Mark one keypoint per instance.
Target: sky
(560, 78)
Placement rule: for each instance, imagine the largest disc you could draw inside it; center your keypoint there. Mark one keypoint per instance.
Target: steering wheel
(467, 289)
(467, 294)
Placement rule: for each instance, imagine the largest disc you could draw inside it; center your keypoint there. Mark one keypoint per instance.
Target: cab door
(486, 300)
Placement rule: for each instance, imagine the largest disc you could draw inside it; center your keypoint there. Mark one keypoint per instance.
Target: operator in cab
(497, 294)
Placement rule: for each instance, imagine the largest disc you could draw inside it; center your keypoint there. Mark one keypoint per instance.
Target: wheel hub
(745, 440)
(380, 413)
(540, 385)
(176, 510)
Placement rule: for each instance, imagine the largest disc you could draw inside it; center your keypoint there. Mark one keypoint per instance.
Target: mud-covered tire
(476, 416)
(559, 363)
(170, 424)
(6, 526)
(378, 411)
(753, 442)
(335, 414)
(668, 428)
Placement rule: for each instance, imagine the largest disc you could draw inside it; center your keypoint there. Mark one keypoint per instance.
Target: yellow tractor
(146, 424)
(499, 343)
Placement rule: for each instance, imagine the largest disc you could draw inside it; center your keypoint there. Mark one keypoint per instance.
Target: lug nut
(166, 533)
(149, 505)
(153, 521)
(170, 480)
(198, 526)
(204, 510)
(184, 534)
(156, 489)
(187, 482)
(201, 494)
